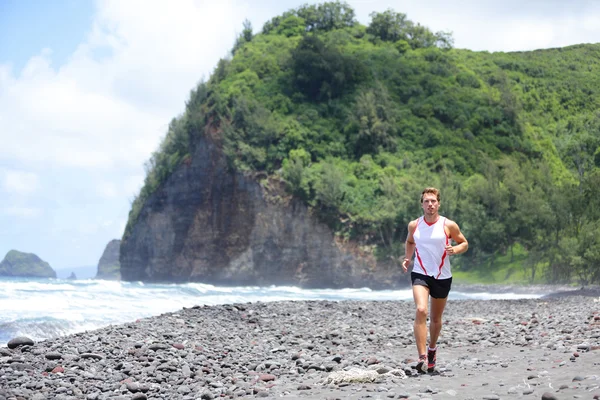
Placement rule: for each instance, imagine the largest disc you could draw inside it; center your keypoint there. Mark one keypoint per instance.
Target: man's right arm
(409, 246)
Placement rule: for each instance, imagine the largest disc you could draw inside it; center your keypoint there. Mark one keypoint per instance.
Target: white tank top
(431, 240)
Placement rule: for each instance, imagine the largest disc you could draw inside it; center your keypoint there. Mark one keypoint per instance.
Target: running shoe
(431, 358)
(422, 364)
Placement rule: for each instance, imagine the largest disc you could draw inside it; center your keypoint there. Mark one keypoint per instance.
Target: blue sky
(27, 27)
(87, 89)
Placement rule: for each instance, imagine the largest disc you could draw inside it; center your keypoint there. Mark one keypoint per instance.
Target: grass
(503, 271)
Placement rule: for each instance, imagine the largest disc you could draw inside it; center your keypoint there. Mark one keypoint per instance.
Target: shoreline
(488, 349)
(95, 305)
(549, 290)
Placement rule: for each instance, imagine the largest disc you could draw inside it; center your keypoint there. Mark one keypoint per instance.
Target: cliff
(208, 224)
(108, 265)
(20, 264)
(357, 122)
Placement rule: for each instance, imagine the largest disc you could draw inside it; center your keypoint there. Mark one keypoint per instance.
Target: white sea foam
(46, 308)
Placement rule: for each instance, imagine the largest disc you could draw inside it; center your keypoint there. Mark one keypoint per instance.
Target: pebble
(19, 341)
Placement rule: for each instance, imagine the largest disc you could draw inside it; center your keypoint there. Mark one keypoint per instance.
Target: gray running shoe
(422, 364)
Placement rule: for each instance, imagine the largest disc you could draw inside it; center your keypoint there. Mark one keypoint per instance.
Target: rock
(206, 395)
(158, 346)
(266, 377)
(53, 356)
(372, 361)
(133, 387)
(91, 355)
(549, 396)
(19, 341)
(183, 389)
(16, 263)
(109, 266)
(584, 347)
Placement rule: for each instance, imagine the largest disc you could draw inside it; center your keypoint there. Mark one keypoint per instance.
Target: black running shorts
(438, 288)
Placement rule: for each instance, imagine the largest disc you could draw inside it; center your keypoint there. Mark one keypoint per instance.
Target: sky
(87, 90)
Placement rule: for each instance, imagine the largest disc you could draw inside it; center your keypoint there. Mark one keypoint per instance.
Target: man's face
(430, 204)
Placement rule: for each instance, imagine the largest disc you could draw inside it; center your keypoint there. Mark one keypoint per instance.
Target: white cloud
(110, 104)
(19, 182)
(92, 225)
(510, 25)
(22, 212)
(132, 185)
(107, 190)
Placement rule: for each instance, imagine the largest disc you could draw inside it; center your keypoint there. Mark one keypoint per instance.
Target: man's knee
(422, 313)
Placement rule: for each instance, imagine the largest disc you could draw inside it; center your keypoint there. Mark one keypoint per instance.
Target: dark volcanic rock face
(109, 266)
(208, 224)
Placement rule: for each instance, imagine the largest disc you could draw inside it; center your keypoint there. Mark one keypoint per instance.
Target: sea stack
(109, 267)
(25, 265)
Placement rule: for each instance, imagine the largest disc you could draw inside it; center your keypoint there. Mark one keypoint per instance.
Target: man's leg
(435, 323)
(435, 327)
(421, 296)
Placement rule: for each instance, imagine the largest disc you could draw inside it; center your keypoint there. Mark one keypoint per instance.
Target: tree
(292, 26)
(374, 125)
(324, 17)
(294, 172)
(327, 16)
(245, 37)
(330, 186)
(322, 72)
(390, 26)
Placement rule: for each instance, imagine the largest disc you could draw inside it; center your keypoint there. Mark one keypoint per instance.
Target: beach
(546, 348)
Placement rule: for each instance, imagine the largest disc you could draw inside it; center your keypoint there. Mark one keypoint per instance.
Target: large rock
(109, 267)
(28, 265)
(208, 224)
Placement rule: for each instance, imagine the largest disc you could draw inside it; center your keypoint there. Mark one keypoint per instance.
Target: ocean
(46, 308)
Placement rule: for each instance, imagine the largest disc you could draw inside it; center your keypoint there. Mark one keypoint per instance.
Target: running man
(429, 238)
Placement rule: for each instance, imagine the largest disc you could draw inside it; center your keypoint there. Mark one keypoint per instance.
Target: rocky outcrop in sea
(27, 265)
(109, 267)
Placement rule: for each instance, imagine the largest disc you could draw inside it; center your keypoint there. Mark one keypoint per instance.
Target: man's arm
(455, 234)
(409, 245)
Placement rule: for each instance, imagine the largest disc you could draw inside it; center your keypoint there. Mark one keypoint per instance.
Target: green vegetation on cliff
(20, 264)
(358, 119)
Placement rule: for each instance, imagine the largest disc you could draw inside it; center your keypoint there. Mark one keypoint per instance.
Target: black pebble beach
(545, 348)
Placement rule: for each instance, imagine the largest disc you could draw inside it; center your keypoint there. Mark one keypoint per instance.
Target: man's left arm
(461, 245)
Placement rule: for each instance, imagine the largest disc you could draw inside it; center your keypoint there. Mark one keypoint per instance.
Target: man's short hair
(431, 190)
